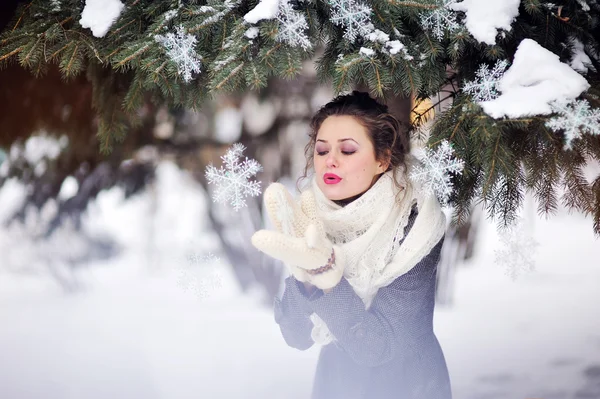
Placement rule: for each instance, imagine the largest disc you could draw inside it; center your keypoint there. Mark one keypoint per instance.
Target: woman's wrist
(328, 266)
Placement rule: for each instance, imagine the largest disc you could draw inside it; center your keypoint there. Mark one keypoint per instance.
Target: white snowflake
(181, 50)
(232, 181)
(441, 19)
(292, 26)
(517, 250)
(353, 16)
(433, 173)
(485, 87)
(200, 275)
(575, 118)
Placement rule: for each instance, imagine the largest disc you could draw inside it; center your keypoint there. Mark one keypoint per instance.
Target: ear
(384, 163)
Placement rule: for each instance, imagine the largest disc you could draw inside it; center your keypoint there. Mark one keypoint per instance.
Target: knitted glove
(300, 241)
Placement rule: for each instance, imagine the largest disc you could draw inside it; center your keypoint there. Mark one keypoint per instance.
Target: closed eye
(343, 152)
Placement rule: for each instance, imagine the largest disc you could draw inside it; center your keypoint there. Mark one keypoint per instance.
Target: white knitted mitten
(300, 241)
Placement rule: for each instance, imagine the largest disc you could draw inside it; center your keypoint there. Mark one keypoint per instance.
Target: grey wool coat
(387, 351)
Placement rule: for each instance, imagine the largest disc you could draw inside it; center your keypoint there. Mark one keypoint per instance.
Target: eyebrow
(340, 140)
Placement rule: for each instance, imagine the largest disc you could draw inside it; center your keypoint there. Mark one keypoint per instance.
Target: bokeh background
(120, 277)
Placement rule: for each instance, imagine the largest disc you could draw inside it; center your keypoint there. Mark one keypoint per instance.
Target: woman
(362, 246)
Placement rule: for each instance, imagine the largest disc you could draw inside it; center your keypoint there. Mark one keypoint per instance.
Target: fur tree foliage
(182, 52)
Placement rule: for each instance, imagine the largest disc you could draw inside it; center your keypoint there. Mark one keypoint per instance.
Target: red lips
(330, 178)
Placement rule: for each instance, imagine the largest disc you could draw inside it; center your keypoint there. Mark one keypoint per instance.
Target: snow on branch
(484, 18)
(535, 79)
(99, 15)
(292, 24)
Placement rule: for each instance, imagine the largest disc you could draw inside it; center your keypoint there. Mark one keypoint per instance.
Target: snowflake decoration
(434, 171)
(440, 19)
(232, 181)
(292, 25)
(200, 275)
(485, 87)
(575, 118)
(517, 251)
(353, 16)
(181, 50)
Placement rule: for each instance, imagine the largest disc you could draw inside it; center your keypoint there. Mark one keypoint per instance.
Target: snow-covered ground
(132, 331)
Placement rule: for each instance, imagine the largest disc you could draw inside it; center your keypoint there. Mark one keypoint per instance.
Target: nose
(331, 161)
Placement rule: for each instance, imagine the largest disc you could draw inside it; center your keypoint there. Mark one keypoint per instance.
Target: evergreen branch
(493, 166)
(15, 51)
(268, 53)
(54, 54)
(596, 189)
(120, 28)
(14, 37)
(21, 17)
(31, 50)
(231, 74)
(70, 64)
(136, 54)
(413, 4)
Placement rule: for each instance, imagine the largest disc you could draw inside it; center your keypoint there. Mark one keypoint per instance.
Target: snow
(535, 79)
(266, 9)
(12, 195)
(133, 332)
(228, 124)
(251, 33)
(394, 46)
(40, 146)
(580, 61)
(99, 15)
(584, 5)
(485, 17)
(368, 52)
(68, 188)
(378, 36)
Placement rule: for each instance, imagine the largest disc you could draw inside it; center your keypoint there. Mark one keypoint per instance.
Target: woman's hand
(299, 240)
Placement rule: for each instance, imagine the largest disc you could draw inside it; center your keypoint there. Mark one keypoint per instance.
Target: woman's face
(344, 159)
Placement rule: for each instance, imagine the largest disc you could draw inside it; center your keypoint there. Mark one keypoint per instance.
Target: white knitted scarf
(369, 231)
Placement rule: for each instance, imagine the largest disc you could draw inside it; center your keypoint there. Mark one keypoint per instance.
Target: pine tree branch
(21, 16)
(15, 51)
(413, 4)
(120, 28)
(231, 74)
(136, 54)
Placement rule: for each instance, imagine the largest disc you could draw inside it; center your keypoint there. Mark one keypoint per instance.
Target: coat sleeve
(293, 315)
(399, 314)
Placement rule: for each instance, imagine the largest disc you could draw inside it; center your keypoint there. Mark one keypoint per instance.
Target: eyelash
(343, 152)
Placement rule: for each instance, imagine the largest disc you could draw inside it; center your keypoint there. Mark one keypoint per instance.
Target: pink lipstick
(330, 178)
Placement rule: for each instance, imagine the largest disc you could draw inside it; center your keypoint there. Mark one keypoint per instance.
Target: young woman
(362, 245)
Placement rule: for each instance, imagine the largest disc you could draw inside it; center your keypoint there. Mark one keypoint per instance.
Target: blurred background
(120, 277)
